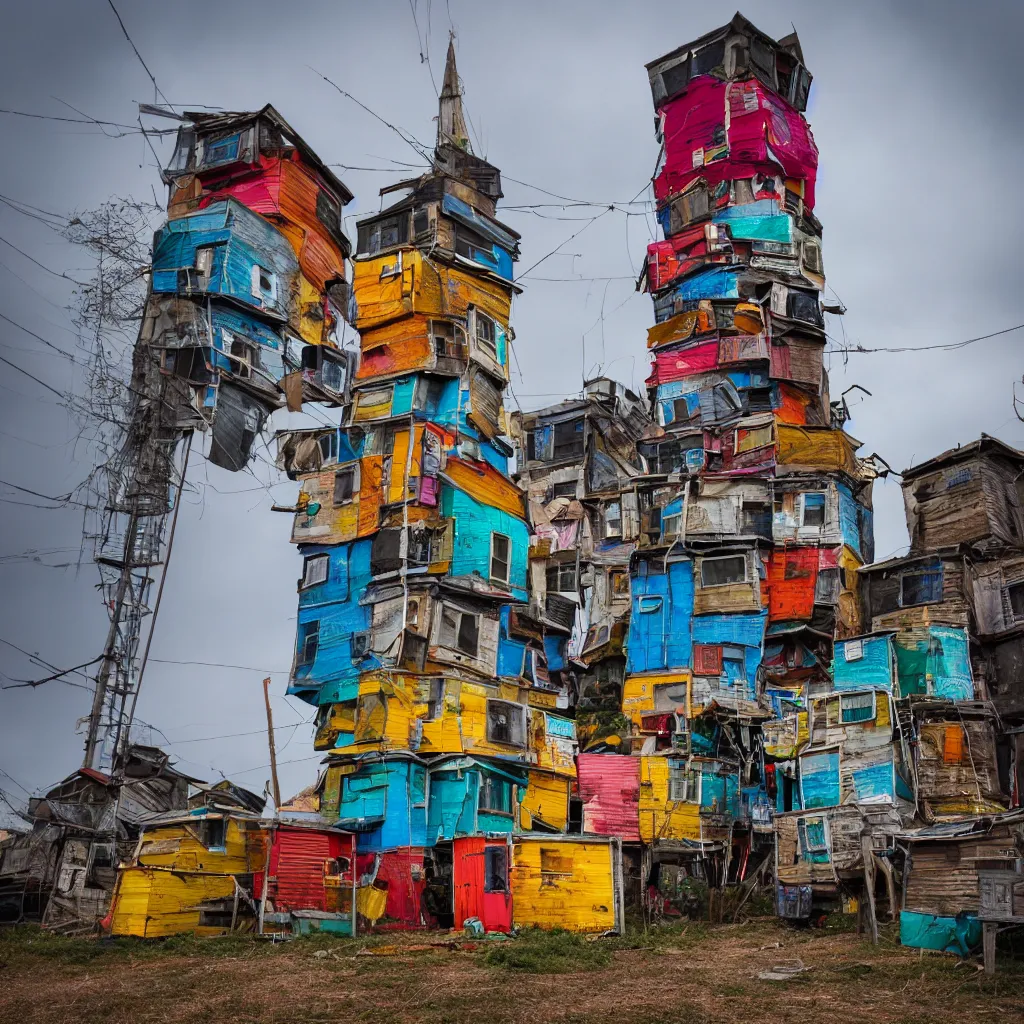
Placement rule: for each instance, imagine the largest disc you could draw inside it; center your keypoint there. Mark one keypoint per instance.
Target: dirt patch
(689, 974)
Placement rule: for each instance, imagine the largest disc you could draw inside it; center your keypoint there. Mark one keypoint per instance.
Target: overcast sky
(916, 112)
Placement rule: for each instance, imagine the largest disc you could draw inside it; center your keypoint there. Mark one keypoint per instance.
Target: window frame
(559, 569)
(1008, 588)
(846, 700)
(352, 474)
(493, 790)
(492, 872)
(576, 446)
(904, 576)
(704, 585)
(310, 633)
(517, 724)
(487, 345)
(460, 617)
(804, 509)
(680, 773)
(310, 561)
(506, 561)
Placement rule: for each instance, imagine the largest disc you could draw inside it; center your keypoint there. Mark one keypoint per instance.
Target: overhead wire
(145, 66)
(949, 347)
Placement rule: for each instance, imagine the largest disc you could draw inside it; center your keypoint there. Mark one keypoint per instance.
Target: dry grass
(685, 975)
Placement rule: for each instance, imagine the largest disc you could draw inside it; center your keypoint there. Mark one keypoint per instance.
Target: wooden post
(270, 740)
(868, 857)
(988, 945)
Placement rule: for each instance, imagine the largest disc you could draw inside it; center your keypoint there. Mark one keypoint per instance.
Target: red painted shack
(310, 868)
(609, 786)
(481, 882)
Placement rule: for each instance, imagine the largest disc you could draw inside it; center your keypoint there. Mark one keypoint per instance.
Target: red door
(480, 874)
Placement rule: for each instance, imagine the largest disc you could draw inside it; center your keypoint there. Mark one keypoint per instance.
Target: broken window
(719, 572)
(506, 723)
(920, 588)
(569, 439)
(560, 578)
(314, 570)
(308, 643)
(449, 339)
(243, 356)
(460, 631)
(213, 833)
(683, 783)
(501, 548)
(856, 707)
(101, 865)
(496, 869)
(813, 510)
(495, 795)
(344, 485)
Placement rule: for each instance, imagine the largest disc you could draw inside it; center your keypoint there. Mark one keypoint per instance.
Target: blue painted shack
(383, 799)
(487, 543)
(326, 668)
(660, 623)
(227, 250)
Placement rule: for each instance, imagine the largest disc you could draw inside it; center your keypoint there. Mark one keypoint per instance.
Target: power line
(220, 664)
(61, 500)
(929, 348)
(156, 88)
(14, 366)
(566, 242)
(39, 337)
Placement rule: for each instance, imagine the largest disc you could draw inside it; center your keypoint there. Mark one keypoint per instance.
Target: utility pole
(270, 740)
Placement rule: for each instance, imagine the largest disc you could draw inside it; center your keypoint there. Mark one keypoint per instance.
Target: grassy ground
(684, 974)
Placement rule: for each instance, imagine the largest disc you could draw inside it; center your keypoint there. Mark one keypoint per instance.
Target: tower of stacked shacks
(437, 684)
(754, 511)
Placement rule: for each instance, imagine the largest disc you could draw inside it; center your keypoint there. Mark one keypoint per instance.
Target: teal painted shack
(865, 663)
(934, 661)
(472, 797)
(384, 801)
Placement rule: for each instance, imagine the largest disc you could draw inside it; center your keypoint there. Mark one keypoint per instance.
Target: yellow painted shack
(545, 804)
(655, 692)
(571, 882)
(191, 872)
(399, 284)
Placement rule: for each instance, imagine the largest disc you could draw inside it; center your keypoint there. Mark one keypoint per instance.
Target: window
(264, 284)
(568, 439)
(213, 833)
(101, 859)
(501, 548)
(496, 869)
(856, 707)
(449, 339)
(566, 489)
(683, 783)
(486, 333)
(308, 643)
(506, 723)
(920, 588)
(853, 650)
(560, 578)
(813, 835)
(495, 795)
(243, 357)
(813, 510)
(719, 572)
(204, 261)
(222, 151)
(460, 631)
(382, 234)
(344, 485)
(671, 525)
(328, 444)
(328, 211)
(314, 570)
(554, 865)
(1015, 599)
(371, 717)
(613, 519)
(420, 221)
(618, 583)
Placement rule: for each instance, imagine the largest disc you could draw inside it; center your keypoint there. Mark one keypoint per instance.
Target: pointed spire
(451, 122)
